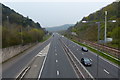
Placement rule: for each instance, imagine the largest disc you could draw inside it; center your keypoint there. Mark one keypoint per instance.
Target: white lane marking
(58, 73)
(56, 61)
(25, 72)
(105, 60)
(77, 49)
(81, 64)
(43, 64)
(110, 62)
(72, 65)
(106, 71)
(56, 54)
(100, 57)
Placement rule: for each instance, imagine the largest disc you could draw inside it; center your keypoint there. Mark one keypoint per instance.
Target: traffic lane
(57, 68)
(107, 67)
(65, 66)
(13, 60)
(20, 62)
(94, 59)
(49, 70)
(79, 55)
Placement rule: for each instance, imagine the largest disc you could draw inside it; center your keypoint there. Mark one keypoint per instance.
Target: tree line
(19, 30)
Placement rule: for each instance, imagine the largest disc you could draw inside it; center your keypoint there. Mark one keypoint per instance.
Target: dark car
(84, 49)
(86, 61)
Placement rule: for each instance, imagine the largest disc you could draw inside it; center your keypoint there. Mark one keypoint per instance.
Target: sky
(53, 13)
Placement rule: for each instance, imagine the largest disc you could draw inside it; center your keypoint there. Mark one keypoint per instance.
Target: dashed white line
(106, 71)
(100, 57)
(77, 49)
(58, 73)
(81, 64)
(56, 61)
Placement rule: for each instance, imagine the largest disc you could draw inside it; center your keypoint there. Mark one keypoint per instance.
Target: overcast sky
(50, 14)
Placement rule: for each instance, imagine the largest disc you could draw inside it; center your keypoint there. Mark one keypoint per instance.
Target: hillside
(17, 29)
(59, 28)
(88, 31)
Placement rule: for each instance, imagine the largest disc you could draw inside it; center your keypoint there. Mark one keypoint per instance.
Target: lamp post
(105, 27)
(105, 34)
(105, 39)
(98, 23)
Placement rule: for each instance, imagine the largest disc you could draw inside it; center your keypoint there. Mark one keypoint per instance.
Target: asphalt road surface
(13, 67)
(105, 69)
(57, 63)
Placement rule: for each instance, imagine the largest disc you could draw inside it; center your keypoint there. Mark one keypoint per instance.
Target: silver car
(84, 49)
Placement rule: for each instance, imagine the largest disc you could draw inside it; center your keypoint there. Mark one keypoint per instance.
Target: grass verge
(45, 38)
(100, 53)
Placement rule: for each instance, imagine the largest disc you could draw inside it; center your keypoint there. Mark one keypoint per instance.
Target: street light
(98, 23)
(113, 21)
(105, 26)
(99, 35)
(105, 36)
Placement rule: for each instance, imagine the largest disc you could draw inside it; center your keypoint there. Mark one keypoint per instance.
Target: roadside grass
(45, 38)
(100, 53)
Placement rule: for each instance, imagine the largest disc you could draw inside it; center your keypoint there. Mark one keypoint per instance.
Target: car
(86, 62)
(84, 49)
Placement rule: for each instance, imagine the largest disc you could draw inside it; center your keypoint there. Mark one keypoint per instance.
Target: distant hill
(59, 28)
(88, 31)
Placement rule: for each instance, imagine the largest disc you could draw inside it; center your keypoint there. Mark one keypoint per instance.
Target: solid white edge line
(31, 60)
(81, 64)
(21, 72)
(25, 72)
(43, 65)
(100, 57)
(71, 64)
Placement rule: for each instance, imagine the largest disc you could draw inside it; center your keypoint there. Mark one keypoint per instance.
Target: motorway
(105, 69)
(57, 64)
(14, 66)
